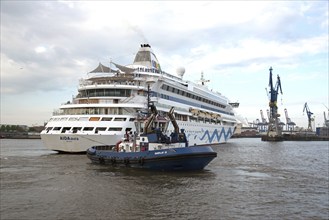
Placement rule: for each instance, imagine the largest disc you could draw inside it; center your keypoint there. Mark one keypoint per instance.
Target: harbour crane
(268, 114)
(326, 120)
(309, 116)
(273, 95)
(262, 116)
(289, 125)
(262, 124)
(273, 128)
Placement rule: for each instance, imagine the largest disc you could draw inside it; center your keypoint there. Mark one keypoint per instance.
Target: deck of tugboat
(186, 158)
(107, 151)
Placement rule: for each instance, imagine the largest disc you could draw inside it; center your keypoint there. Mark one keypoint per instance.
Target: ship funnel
(145, 57)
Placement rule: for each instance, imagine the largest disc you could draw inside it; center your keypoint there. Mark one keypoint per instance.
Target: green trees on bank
(13, 128)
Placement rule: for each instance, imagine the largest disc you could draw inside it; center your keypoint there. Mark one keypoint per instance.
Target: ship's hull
(173, 159)
(197, 134)
(76, 143)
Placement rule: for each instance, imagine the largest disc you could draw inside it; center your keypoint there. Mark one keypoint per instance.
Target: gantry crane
(309, 116)
(326, 120)
(268, 114)
(274, 129)
(262, 116)
(289, 125)
(263, 123)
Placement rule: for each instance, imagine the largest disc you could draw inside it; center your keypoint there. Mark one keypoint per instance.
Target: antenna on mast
(203, 80)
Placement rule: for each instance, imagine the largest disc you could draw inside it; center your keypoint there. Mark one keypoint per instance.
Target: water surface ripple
(249, 179)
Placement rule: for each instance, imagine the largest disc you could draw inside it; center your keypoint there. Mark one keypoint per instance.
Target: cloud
(49, 45)
(223, 33)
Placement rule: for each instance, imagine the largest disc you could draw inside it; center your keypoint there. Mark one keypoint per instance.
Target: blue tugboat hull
(189, 158)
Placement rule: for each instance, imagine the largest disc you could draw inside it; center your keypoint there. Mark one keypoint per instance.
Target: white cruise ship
(110, 98)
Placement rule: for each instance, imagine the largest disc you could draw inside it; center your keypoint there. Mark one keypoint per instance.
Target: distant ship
(109, 99)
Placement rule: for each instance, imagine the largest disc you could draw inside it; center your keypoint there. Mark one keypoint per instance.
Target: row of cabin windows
(97, 129)
(96, 111)
(91, 119)
(189, 95)
(89, 129)
(104, 92)
(178, 117)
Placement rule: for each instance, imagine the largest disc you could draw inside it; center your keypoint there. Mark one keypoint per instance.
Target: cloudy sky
(47, 46)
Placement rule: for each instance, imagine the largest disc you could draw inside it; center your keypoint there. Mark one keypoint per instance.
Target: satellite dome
(180, 71)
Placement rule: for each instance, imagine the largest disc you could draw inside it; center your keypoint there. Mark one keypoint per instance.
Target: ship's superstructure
(109, 100)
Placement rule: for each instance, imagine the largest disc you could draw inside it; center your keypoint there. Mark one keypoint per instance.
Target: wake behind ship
(110, 98)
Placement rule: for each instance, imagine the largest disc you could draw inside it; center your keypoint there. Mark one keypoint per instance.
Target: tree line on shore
(20, 128)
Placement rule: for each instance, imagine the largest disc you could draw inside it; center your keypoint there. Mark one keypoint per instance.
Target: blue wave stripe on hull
(216, 136)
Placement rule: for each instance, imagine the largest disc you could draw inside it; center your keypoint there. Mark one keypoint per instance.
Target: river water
(249, 179)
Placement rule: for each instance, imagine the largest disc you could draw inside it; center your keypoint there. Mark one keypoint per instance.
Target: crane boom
(274, 90)
(287, 117)
(262, 116)
(326, 121)
(268, 114)
(309, 116)
(290, 124)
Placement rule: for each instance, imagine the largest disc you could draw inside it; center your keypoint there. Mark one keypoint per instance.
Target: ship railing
(57, 112)
(169, 106)
(83, 82)
(170, 76)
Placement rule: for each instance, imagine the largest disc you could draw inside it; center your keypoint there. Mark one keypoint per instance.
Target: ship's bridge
(147, 58)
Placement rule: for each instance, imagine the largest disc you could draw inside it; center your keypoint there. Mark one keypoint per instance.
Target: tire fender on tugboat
(113, 160)
(126, 161)
(101, 160)
(141, 161)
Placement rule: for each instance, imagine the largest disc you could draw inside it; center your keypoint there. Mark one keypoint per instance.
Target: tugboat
(150, 148)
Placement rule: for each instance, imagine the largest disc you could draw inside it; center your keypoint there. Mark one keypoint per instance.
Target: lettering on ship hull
(67, 138)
